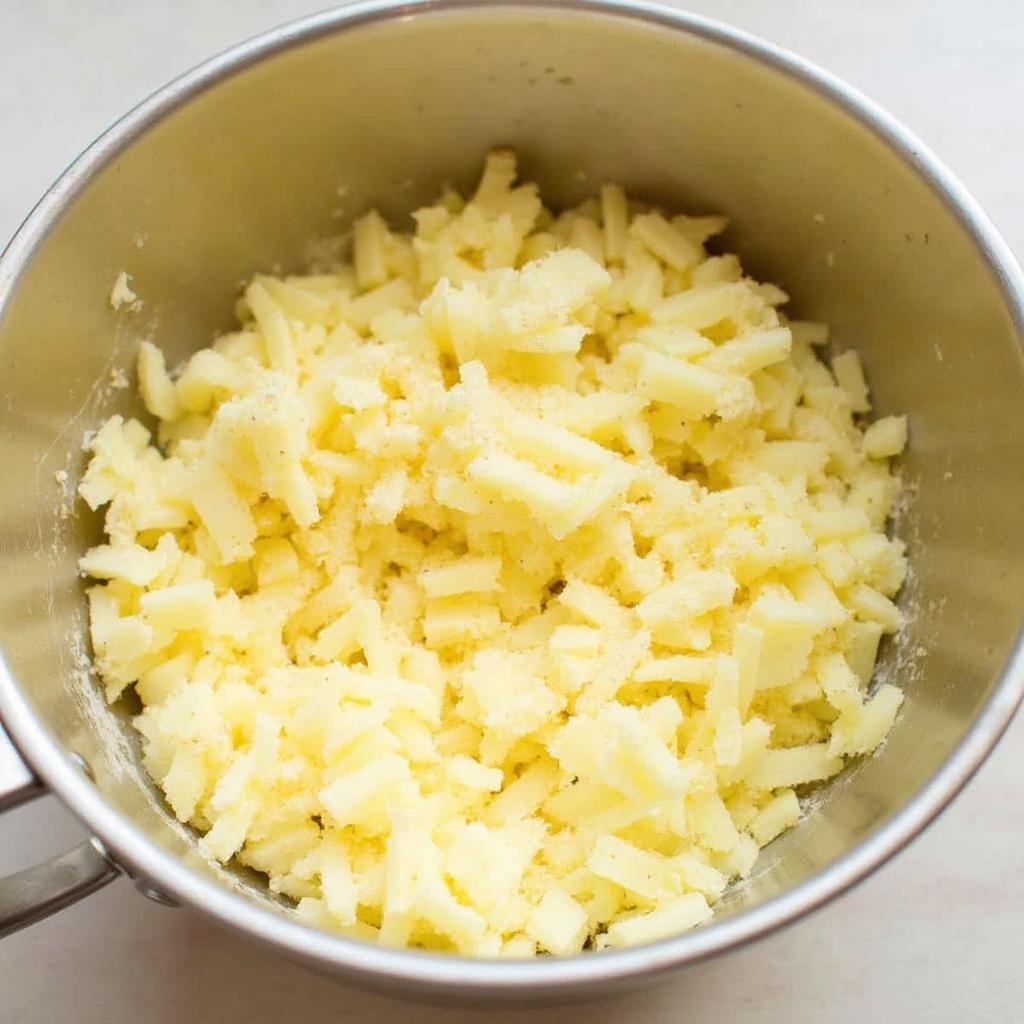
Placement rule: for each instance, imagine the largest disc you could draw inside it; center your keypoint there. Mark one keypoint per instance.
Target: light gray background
(935, 936)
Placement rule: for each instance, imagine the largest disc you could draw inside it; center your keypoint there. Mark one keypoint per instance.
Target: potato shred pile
(498, 591)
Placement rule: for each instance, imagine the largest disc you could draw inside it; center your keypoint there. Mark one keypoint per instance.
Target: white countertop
(934, 937)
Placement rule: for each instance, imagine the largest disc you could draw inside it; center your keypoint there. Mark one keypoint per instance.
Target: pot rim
(440, 973)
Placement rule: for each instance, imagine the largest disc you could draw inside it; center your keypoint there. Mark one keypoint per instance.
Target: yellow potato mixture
(498, 591)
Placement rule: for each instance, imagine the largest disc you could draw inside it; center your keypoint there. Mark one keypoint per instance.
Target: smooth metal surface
(155, 895)
(236, 165)
(35, 893)
(18, 783)
(30, 895)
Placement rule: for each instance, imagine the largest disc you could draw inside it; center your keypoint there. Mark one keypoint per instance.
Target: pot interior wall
(241, 178)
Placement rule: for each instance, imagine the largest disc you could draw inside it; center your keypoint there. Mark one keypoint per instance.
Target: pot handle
(30, 895)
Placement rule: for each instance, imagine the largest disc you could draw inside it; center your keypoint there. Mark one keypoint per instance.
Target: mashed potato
(499, 591)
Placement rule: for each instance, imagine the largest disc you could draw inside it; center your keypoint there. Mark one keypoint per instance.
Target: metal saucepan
(235, 166)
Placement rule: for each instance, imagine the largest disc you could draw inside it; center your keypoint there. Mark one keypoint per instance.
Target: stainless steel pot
(236, 165)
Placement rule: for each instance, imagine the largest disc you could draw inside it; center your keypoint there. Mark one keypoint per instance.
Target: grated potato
(497, 591)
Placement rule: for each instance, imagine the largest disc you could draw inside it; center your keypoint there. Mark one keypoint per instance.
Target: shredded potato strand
(497, 592)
